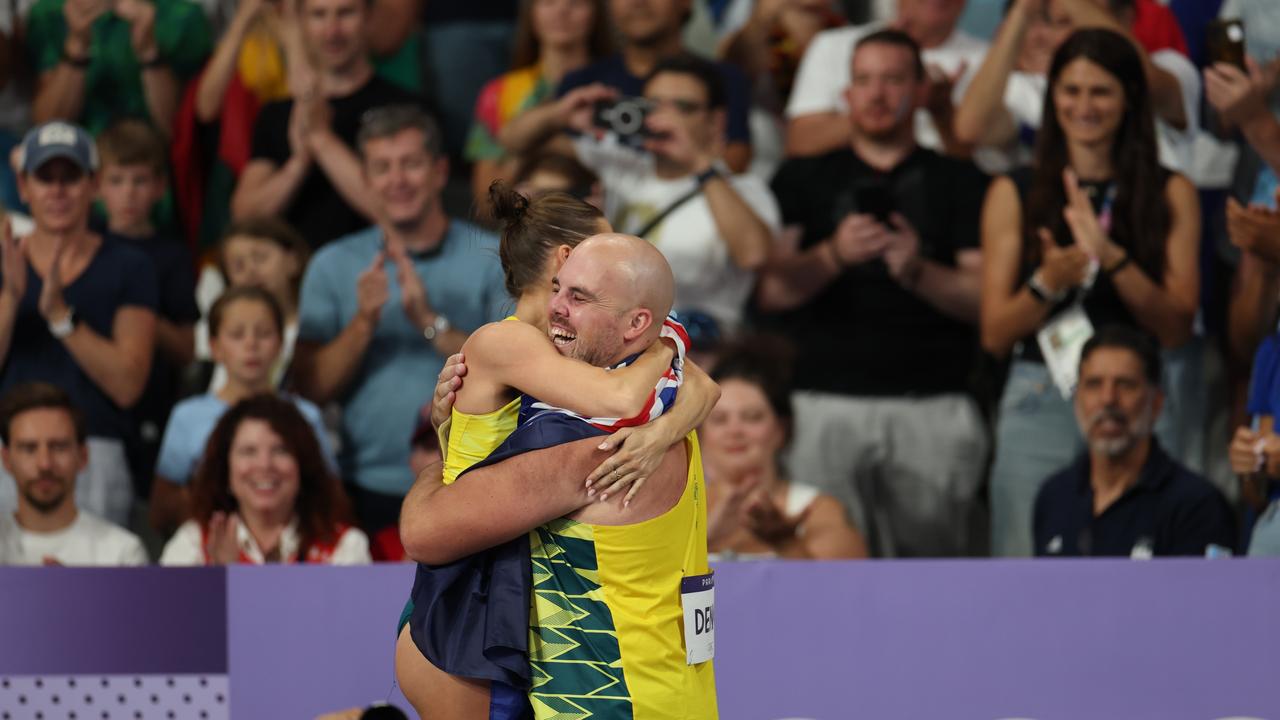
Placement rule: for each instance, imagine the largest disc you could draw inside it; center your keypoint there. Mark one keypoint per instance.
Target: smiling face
(587, 320)
(1116, 406)
(264, 472)
(1089, 103)
(404, 176)
(44, 457)
(59, 193)
(247, 343)
(742, 434)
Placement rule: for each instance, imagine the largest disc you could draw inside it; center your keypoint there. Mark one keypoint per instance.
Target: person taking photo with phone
(881, 298)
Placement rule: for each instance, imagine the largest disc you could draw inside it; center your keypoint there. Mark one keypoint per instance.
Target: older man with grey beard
(1125, 495)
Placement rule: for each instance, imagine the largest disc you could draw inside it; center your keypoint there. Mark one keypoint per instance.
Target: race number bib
(698, 599)
(1061, 342)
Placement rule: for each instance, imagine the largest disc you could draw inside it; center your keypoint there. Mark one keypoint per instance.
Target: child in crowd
(246, 333)
(133, 180)
(267, 253)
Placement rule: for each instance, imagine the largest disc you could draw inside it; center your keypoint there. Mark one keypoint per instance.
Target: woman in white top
(751, 508)
(264, 494)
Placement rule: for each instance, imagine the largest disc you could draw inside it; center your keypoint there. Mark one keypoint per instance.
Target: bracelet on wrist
(707, 175)
(1118, 265)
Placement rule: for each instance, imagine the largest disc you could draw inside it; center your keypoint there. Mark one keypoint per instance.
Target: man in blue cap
(76, 311)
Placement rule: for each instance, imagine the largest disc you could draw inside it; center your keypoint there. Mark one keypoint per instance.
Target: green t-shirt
(113, 80)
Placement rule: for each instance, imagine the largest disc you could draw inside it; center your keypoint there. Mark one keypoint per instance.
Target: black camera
(625, 118)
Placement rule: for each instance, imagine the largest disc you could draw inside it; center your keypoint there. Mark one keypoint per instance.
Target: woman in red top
(264, 494)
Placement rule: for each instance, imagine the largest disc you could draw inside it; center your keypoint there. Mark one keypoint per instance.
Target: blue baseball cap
(58, 139)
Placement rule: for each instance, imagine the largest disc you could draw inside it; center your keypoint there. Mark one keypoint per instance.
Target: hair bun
(509, 206)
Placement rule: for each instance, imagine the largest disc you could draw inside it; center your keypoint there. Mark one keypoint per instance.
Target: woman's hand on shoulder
(638, 453)
(448, 383)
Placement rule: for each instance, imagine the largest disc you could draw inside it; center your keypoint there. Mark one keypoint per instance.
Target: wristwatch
(64, 327)
(1042, 293)
(437, 327)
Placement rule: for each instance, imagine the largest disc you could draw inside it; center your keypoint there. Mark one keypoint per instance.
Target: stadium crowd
(976, 279)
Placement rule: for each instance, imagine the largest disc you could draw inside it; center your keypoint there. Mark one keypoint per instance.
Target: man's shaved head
(642, 272)
(612, 295)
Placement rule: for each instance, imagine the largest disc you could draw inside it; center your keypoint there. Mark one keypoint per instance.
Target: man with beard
(1125, 495)
(44, 449)
(614, 586)
(881, 299)
(304, 166)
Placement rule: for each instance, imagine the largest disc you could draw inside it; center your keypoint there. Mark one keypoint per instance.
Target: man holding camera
(881, 299)
(660, 159)
(648, 32)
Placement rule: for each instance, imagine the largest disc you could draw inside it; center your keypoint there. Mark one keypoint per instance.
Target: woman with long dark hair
(1095, 230)
(264, 493)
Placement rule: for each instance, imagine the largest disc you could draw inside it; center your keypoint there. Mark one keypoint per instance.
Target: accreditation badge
(1061, 342)
(698, 599)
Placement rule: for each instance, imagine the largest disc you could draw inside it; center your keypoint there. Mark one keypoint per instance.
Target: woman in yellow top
(507, 359)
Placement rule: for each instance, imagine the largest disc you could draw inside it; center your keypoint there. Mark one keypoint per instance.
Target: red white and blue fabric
(660, 400)
(470, 617)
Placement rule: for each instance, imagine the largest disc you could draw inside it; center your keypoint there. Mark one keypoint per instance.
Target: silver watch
(64, 327)
(438, 327)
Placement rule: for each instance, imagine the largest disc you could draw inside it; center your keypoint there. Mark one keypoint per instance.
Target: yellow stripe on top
(607, 630)
(473, 437)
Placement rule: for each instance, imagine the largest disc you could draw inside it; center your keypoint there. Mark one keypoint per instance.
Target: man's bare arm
(486, 507)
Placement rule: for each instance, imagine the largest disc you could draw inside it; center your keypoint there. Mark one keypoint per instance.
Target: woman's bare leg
(435, 694)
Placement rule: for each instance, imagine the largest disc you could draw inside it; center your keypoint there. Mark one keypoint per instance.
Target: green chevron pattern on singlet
(573, 645)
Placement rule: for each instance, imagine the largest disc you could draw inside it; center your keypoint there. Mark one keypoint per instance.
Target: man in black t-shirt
(881, 300)
(303, 166)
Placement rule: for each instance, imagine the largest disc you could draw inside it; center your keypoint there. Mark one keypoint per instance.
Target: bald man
(622, 623)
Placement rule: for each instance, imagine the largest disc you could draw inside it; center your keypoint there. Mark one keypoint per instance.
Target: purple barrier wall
(118, 621)
(307, 640)
(1062, 640)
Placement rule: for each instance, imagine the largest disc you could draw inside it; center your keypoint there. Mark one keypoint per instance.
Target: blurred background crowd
(976, 278)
